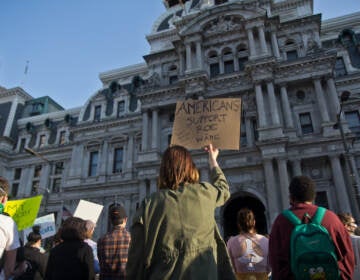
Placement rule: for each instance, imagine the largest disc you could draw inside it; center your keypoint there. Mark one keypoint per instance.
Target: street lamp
(351, 168)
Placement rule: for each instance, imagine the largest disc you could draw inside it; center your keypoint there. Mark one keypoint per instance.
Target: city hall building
(298, 77)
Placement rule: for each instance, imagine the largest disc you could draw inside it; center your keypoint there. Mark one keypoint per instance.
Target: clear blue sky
(69, 42)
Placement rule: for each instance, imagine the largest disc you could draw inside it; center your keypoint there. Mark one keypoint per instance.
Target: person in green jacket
(174, 233)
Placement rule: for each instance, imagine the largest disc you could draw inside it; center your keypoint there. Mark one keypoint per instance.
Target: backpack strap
(291, 217)
(318, 216)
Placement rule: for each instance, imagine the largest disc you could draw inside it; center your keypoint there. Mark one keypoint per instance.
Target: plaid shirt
(112, 250)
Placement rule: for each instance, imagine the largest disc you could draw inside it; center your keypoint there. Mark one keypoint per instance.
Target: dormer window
(97, 113)
(121, 108)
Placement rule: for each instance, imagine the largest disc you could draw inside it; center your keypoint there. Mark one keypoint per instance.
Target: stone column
(199, 55)
(188, 57)
(334, 98)
(11, 117)
(321, 101)
(289, 123)
(103, 158)
(182, 66)
(273, 104)
(341, 191)
(263, 45)
(155, 129)
(284, 182)
(130, 152)
(296, 165)
(271, 191)
(260, 106)
(249, 132)
(145, 131)
(275, 45)
(250, 35)
(76, 161)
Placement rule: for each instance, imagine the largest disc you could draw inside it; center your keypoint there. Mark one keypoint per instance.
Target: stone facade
(289, 68)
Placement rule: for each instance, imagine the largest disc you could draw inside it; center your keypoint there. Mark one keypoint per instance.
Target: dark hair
(302, 189)
(177, 167)
(246, 220)
(34, 236)
(4, 186)
(73, 228)
(117, 214)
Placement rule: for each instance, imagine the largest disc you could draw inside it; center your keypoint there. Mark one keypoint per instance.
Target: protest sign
(200, 122)
(87, 210)
(24, 211)
(47, 226)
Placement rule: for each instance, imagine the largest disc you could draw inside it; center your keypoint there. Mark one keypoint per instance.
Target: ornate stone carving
(222, 24)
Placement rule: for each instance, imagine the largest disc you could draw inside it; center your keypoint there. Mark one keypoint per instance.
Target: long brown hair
(246, 220)
(177, 167)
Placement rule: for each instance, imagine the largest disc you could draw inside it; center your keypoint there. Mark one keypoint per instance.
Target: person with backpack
(309, 242)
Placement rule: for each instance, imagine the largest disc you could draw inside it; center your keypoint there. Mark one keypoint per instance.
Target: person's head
(90, 227)
(73, 228)
(4, 190)
(302, 189)
(117, 215)
(34, 237)
(349, 222)
(246, 220)
(176, 168)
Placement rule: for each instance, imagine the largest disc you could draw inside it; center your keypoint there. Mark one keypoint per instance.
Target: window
(37, 171)
(291, 55)
(97, 113)
(94, 158)
(35, 188)
(17, 173)
(121, 108)
(306, 123)
(353, 119)
(56, 185)
(214, 69)
(58, 168)
(169, 139)
(62, 138)
(173, 79)
(42, 140)
(118, 160)
(242, 61)
(22, 144)
(255, 131)
(229, 66)
(340, 69)
(14, 189)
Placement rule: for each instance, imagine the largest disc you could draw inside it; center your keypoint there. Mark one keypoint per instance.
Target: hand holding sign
(200, 122)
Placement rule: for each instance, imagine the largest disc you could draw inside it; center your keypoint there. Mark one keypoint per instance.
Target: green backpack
(312, 251)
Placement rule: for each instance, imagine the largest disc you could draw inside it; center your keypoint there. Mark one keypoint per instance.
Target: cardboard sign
(24, 211)
(200, 122)
(47, 226)
(87, 210)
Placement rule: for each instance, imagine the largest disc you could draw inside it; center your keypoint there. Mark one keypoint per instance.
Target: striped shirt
(112, 250)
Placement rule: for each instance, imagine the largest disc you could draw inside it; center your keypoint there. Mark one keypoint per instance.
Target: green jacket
(174, 234)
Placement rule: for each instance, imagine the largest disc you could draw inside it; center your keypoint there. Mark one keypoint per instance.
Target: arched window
(214, 67)
(242, 56)
(228, 60)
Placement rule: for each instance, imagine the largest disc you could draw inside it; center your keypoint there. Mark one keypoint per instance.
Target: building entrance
(234, 205)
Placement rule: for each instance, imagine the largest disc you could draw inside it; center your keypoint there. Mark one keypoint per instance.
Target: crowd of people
(174, 235)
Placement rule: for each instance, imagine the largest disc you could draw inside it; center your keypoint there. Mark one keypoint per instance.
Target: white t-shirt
(9, 236)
